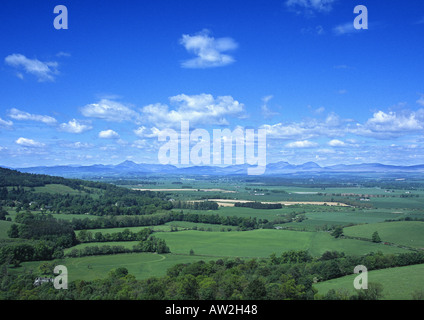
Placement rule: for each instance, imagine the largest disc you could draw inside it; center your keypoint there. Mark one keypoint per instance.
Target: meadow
(262, 243)
(4, 227)
(398, 283)
(405, 233)
(140, 265)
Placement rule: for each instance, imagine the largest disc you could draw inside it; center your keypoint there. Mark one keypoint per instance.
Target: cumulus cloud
(108, 134)
(44, 71)
(112, 111)
(302, 144)
(198, 109)
(29, 143)
(143, 132)
(384, 125)
(336, 143)
(22, 115)
(209, 51)
(74, 126)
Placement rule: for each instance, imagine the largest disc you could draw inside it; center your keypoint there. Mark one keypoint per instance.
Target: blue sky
(100, 91)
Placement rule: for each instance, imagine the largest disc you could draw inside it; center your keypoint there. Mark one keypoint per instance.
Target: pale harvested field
(230, 202)
(193, 189)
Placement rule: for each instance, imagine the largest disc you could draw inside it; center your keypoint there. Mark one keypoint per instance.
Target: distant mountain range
(130, 169)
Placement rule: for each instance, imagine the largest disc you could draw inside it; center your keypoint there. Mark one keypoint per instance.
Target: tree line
(195, 205)
(125, 235)
(150, 244)
(110, 202)
(243, 223)
(258, 205)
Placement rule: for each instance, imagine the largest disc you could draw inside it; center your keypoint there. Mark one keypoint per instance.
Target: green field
(4, 226)
(141, 265)
(262, 243)
(398, 283)
(407, 233)
(344, 217)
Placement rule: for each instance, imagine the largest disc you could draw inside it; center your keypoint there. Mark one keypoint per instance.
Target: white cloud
(333, 126)
(22, 115)
(266, 111)
(333, 120)
(336, 143)
(29, 143)
(198, 109)
(208, 50)
(387, 125)
(44, 71)
(108, 134)
(310, 6)
(344, 28)
(319, 110)
(289, 131)
(139, 144)
(326, 151)
(382, 125)
(74, 126)
(111, 111)
(302, 144)
(392, 121)
(63, 54)
(5, 124)
(142, 132)
(78, 145)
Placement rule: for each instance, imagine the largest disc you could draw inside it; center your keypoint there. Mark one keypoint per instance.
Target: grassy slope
(408, 233)
(398, 283)
(262, 243)
(141, 265)
(4, 227)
